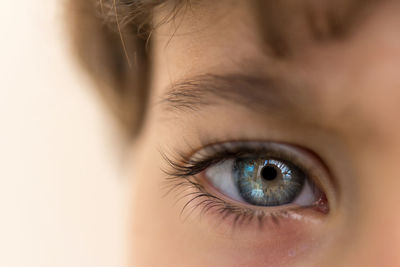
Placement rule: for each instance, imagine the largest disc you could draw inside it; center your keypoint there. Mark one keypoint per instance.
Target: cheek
(282, 241)
(281, 245)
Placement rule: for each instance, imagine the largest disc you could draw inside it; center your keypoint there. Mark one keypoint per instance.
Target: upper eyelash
(193, 164)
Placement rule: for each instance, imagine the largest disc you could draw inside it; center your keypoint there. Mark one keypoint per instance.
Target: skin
(352, 126)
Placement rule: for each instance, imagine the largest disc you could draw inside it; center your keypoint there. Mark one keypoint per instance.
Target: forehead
(235, 32)
(349, 72)
(277, 18)
(281, 27)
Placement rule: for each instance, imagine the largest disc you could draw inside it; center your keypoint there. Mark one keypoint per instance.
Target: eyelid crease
(213, 153)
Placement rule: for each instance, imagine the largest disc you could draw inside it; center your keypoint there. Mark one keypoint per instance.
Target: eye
(279, 176)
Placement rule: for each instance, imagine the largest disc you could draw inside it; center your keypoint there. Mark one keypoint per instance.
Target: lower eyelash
(199, 198)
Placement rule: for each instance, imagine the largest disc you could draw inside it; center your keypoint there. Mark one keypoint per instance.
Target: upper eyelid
(310, 161)
(216, 152)
(240, 147)
(196, 161)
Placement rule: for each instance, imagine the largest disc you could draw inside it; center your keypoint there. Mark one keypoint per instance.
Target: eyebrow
(274, 96)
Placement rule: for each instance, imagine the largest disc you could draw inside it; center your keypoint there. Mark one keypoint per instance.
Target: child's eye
(263, 181)
(253, 179)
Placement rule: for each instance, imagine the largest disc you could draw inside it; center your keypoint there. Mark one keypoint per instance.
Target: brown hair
(111, 38)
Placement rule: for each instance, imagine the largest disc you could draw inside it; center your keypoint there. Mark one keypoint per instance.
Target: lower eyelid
(240, 213)
(240, 203)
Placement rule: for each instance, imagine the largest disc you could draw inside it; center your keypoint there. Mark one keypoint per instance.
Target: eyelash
(182, 174)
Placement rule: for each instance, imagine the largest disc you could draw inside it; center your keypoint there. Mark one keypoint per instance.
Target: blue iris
(268, 181)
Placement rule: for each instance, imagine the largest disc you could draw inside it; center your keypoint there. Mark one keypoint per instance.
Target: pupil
(269, 173)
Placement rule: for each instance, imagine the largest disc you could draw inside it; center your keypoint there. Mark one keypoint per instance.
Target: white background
(61, 197)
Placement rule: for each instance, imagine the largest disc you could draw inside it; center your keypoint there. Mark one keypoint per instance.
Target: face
(268, 142)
